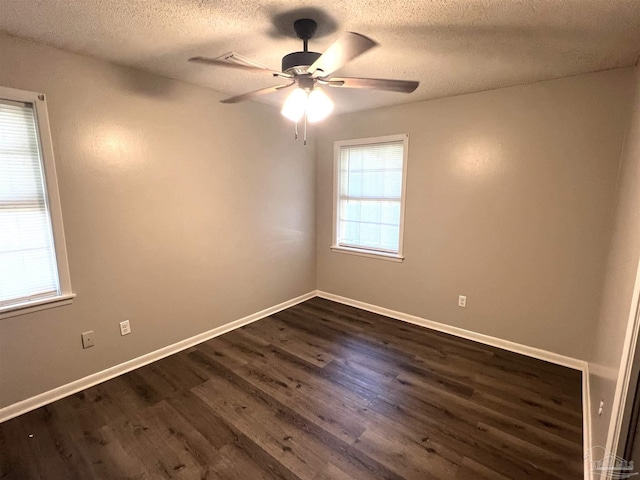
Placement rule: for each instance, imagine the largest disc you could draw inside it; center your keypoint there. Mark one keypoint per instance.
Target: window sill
(392, 257)
(36, 305)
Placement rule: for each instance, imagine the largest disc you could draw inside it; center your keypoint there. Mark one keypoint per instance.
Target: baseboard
(50, 396)
(494, 342)
(586, 423)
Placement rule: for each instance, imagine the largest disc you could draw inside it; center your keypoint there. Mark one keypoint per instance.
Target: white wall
(509, 197)
(181, 215)
(622, 265)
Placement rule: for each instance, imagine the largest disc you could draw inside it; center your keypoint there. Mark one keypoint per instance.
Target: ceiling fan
(310, 70)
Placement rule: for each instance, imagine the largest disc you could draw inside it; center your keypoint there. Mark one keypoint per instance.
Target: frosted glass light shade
(319, 106)
(315, 104)
(295, 105)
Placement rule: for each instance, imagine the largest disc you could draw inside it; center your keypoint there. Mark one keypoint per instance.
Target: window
(33, 261)
(369, 196)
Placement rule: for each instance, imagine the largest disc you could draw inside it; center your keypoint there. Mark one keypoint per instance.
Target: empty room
(325, 241)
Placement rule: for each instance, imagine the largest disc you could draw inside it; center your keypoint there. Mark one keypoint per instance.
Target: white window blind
(28, 269)
(370, 196)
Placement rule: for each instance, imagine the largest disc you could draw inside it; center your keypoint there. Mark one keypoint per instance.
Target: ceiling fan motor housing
(298, 62)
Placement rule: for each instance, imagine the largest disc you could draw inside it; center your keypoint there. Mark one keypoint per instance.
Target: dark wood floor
(318, 391)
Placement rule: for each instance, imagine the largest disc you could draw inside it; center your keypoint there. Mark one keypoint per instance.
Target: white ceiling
(450, 46)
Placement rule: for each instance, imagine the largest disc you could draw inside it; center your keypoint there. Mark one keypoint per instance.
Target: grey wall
(509, 195)
(622, 265)
(181, 215)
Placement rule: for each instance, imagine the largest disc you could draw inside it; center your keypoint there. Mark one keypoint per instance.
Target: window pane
(350, 232)
(344, 183)
(27, 257)
(354, 185)
(370, 212)
(350, 210)
(390, 213)
(392, 186)
(389, 237)
(369, 234)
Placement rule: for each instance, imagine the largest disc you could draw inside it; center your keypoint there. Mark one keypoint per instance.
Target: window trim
(367, 252)
(65, 297)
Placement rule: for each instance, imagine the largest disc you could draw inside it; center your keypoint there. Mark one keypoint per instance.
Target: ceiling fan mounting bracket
(305, 28)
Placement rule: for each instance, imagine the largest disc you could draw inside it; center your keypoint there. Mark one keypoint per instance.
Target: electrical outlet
(88, 339)
(125, 328)
(601, 407)
(462, 300)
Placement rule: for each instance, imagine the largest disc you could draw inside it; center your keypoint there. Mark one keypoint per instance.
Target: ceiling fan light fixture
(319, 106)
(315, 104)
(295, 105)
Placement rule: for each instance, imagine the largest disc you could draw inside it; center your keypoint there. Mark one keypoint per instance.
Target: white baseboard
(494, 342)
(587, 442)
(50, 396)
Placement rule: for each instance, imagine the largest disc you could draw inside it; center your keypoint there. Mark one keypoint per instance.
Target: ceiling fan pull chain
(305, 129)
(296, 130)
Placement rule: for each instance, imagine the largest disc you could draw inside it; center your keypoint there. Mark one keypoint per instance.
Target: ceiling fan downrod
(305, 30)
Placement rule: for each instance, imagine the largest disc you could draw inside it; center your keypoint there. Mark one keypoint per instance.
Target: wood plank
(289, 425)
(106, 457)
(454, 436)
(323, 406)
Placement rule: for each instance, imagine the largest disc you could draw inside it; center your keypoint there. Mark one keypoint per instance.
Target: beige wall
(620, 277)
(181, 214)
(509, 194)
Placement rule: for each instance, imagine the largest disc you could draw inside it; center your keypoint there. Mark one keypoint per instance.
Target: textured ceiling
(450, 46)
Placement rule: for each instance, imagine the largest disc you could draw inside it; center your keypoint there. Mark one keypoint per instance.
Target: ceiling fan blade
(240, 66)
(403, 86)
(343, 50)
(257, 93)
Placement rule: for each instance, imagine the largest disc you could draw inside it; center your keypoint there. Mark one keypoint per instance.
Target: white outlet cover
(125, 328)
(88, 339)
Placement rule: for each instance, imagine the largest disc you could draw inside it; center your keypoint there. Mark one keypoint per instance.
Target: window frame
(369, 252)
(52, 198)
